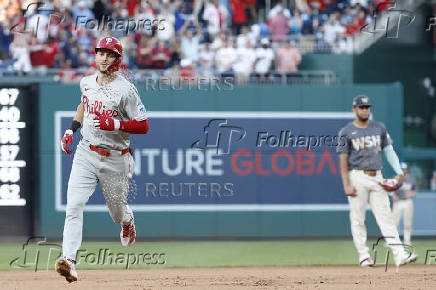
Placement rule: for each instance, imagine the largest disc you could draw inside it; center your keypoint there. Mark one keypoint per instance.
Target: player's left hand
(104, 122)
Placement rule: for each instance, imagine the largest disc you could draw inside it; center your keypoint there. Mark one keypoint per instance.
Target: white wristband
(116, 124)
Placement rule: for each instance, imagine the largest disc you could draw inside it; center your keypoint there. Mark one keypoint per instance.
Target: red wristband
(134, 127)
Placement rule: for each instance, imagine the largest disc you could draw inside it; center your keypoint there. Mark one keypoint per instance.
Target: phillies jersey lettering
(118, 99)
(363, 145)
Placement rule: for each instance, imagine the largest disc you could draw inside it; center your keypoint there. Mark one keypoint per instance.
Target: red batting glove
(104, 122)
(67, 140)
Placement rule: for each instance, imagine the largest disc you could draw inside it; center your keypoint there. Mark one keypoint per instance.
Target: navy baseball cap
(361, 101)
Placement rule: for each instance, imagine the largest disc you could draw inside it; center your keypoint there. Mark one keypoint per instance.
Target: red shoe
(128, 234)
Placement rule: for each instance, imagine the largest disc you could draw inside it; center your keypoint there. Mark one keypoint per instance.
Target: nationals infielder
(110, 109)
(403, 203)
(361, 164)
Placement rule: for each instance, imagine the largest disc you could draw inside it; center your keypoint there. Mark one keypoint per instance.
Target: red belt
(107, 153)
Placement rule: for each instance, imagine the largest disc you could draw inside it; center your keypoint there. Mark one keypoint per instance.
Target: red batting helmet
(114, 45)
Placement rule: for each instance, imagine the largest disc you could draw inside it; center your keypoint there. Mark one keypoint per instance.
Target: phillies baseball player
(110, 109)
(361, 164)
(403, 203)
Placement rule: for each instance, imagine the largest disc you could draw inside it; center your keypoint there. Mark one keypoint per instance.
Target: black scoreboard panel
(18, 159)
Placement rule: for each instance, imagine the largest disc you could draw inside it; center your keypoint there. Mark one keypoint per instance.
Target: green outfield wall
(388, 107)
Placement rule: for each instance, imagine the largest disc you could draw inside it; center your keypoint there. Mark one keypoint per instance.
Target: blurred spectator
(301, 5)
(206, 61)
(165, 30)
(433, 181)
(37, 23)
(250, 5)
(20, 53)
(279, 27)
(5, 40)
(131, 6)
(212, 17)
(239, 18)
(243, 67)
(81, 14)
(176, 53)
(332, 30)
(143, 52)
(225, 58)
(190, 43)
(383, 4)
(52, 51)
(279, 8)
(317, 4)
(307, 19)
(181, 16)
(361, 2)
(295, 26)
(288, 58)
(241, 40)
(160, 55)
(264, 60)
(187, 70)
(37, 54)
(101, 10)
(219, 41)
(353, 26)
(8, 9)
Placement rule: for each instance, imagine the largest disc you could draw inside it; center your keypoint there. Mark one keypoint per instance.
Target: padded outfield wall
(256, 189)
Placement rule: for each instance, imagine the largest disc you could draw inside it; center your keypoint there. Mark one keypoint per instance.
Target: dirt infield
(408, 277)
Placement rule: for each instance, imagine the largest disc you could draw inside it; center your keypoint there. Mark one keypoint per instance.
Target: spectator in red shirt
(51, 52)
(383, 4)
(37, 53)
(239, 18)
(143, 52)
(317, 4)
(131, 6)
(160, 55)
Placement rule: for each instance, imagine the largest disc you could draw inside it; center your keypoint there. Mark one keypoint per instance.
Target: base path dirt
(408, 277)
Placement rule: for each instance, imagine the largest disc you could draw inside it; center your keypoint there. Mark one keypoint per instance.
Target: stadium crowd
(198, 37)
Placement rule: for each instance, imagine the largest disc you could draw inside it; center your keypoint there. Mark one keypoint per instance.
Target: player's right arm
(343, 165)
(76, 124)
(343, 149)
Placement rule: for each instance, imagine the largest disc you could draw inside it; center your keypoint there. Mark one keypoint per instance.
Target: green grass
(203, 254)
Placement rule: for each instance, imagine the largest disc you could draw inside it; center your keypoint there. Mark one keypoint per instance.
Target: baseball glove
(390, 184)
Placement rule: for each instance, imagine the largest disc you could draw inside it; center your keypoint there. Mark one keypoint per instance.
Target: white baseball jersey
(118, 99)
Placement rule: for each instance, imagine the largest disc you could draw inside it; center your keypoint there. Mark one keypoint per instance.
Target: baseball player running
(403, 203)
(360, 160)
(110, 109)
